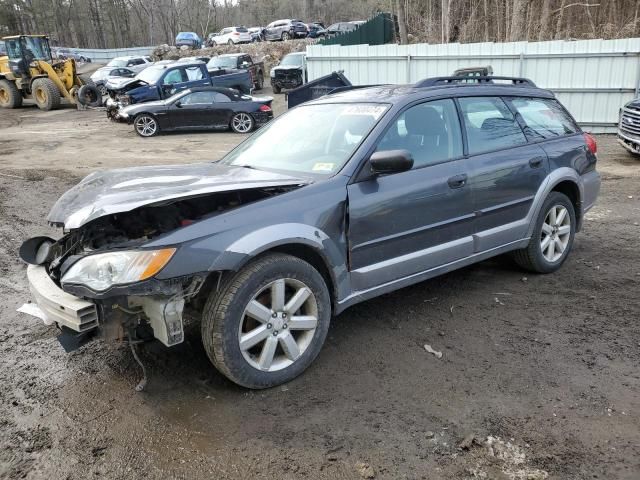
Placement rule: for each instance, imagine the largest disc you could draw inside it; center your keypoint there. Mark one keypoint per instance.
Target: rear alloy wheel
(552, 236)
(10, 96)
(230, 42)
(242, 123)
(269, 321)
(146, 125)
(45, 93)
(285, 36)
(103, 90)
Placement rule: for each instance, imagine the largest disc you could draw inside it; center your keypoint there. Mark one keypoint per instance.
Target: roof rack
(435, 81)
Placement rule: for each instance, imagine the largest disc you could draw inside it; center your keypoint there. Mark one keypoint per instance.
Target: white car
(135, 63)
(230, 35)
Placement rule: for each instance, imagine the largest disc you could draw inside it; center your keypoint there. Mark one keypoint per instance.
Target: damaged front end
(101, 276)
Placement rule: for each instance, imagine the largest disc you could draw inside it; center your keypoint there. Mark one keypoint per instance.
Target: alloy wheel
(146, 126)
(556, 233)
(278, 325)
(242, 123)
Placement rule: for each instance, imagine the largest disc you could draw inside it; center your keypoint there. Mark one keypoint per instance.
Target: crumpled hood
(124, 189)
(118, 83)
(287, 68)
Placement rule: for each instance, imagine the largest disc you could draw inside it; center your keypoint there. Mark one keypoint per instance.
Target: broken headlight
(101, 271)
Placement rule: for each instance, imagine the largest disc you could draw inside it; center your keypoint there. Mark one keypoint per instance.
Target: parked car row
(285, 29)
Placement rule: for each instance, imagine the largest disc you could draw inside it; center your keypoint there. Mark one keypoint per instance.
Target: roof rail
(435, 81)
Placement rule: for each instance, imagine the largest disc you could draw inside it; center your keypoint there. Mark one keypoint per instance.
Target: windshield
(292, 60)
(150, 75)
(310, 139)
(223, 62)
(117, 62)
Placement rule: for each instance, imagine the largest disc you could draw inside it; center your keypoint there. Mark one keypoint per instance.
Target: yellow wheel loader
(28, 71)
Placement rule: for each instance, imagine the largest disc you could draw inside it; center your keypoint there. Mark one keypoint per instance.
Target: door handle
(536, 162)
(458, 181)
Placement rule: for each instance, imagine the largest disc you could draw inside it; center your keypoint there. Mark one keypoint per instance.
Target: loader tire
(45, 93)
(89, 95)
(10, 96)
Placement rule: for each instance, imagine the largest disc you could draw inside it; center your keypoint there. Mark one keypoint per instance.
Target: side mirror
(178, 104)
(244, 65)
(390, 161)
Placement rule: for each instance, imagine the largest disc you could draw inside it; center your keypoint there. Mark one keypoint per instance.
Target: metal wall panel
(592, 78)
(104, 55)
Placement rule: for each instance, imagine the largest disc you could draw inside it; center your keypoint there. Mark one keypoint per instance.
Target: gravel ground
(538, 379)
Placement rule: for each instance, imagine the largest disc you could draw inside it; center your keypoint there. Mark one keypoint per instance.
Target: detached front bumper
(59, 306)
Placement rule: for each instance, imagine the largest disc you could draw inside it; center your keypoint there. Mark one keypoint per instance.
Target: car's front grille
(630, 121)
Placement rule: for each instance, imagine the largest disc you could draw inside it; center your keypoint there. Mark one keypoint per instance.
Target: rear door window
(544, 118)
(429, 131)
(199, 98)
(221, 98)
(489, 124)
(194, 73)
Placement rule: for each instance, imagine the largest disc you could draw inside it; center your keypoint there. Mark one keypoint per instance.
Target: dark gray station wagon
(339, 200)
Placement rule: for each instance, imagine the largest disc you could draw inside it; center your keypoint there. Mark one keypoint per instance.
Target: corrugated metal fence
(592, 78)
(104, 55)
(375, 31)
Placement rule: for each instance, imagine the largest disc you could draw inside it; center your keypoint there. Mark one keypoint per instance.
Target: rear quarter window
(544, 118)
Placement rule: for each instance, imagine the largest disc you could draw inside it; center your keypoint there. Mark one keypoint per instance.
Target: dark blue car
(339, 200)
(188, 39)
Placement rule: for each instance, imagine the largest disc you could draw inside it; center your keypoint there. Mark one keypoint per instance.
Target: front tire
(46, 94)
(552, 237)
(276, 89)
(260, 82)
(146, 125)
(242, 122)
(10, 96)
(268, 323)
(285, 36)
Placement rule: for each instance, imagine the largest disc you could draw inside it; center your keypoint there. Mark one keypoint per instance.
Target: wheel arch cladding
(572, 191)
(303, 241)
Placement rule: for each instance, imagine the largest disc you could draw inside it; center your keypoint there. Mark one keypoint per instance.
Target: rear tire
(230, 42)
(276, 89)
(285, 36)
(242, 122)
(89, 95)
(284, 346)
(552, 236)
(45, 93)
(10, 96)
(260, 83)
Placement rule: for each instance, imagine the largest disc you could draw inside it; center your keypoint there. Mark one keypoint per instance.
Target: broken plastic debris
(34, 310)
(428, 348)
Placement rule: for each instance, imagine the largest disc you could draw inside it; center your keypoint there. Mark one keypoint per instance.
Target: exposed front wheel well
(571, 190)
(312, 257)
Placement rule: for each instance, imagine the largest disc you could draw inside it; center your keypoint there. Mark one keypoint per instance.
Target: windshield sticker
(324, 167)
(374, 110)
